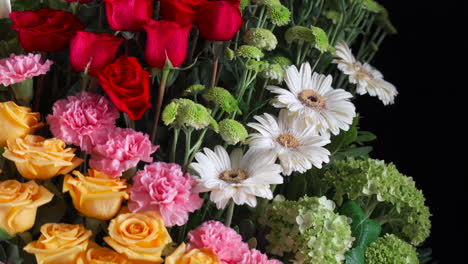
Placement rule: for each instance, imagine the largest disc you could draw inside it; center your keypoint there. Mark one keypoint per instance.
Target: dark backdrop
(423, 132)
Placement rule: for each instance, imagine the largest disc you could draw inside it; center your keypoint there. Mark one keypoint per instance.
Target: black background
(423, 132)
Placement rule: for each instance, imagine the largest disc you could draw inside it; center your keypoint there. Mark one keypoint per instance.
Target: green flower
(399, 205)
(371, 6)
(309, 229)
(222, 98)
(232, 131)
(261, 38)
(320, 39)
(229, 54)
(243, 4)
(391, 249)
(333, 15)
(169, 113)
(256, 66)
(249, 52)
(283, 61)
(299, 34)
(186, 113)
(267, 2)
(278, 14)
(194, 89)
(274, 72)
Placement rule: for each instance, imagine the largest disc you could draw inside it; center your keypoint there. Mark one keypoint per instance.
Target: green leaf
(344, 138)
(365, 230)
(355, 256)
(4, 235)
(357, 152)
(365, 136)
(11, 253)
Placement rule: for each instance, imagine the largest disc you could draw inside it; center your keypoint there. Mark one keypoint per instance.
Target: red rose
(128, 86)
(99, 49)
(80, 1)
(128, 15)
(166, 40)
(180, 11)
(219, 20)
(45, 29)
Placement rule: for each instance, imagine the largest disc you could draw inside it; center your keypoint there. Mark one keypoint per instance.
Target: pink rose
(163, 187)
(77, 119)
(18, 68)
(256, 257)
(222, 240)
(120, 149)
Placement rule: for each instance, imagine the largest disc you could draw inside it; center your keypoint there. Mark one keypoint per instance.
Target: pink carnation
(222, 240)
(256, 257)
(18, 68)
(163, 187)
(119, 150)
(80, 119)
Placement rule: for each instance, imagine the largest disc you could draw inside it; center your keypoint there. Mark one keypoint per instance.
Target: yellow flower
(38, 158)
(17, 121)
(59, 243)
(140, 236)
(101, 255)
(194, 256)
(96, 195)
(19, 203)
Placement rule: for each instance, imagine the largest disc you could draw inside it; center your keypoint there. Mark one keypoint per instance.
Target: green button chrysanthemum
(279, 15)
(222, 98)
(249, 52)
(185, 112)
(232, 131)
(261, 38)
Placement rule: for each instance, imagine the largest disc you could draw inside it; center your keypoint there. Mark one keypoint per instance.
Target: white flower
(367, 78)
(297, 147)
(5, 8)
(312, 96)
(238, 176)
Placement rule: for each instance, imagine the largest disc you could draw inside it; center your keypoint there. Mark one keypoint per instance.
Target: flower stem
(229, 214)
(157, 112)
(217, 47)
(188, 138)
(174, 143)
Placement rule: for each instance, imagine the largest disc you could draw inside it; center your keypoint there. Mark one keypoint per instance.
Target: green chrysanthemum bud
(261, 38)
(194, 89)
(333, 15)
(170, 113)
(185, 112)
(267, 2)
(229, 54)
(232, 131)
(283, 61)
(309, 229)
(279, 15)
(222, 98)
(299, 34)
(243, 4)
(249, 52)
(391, 249)
(274, 72)
(321, 39)
(256, 66)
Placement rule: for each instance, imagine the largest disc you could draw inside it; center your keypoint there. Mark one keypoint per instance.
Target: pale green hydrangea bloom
(278, 14)
(309, 229)
(397, 201)
(222, 98)
(186, 113)
(232, 131)
(261, 38)
(249, 52)
(391, 249)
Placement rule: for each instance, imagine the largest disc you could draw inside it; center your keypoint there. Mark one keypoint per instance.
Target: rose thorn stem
(157, 112)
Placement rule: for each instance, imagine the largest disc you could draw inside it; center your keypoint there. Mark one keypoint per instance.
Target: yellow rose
(19, 203)
(140, 236)
(101, 255)
(59, 243)
(17, 121)
(38, 158)
(96, 195)
(194, 256)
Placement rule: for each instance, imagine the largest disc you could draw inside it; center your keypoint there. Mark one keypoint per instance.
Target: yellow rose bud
(194, 256)
(17, 121)
(19, 203)
(96, 195)
(101, 255)
(38, 158)
(140, 236)
(59, 243)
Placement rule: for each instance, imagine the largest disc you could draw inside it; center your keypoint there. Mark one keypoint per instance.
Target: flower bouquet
(197, 131)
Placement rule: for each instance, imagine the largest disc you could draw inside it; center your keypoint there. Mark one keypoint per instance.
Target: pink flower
(119, 150)
(222, 240)
(163, 187)
(78, 119)
(256, 257)
(18, 68)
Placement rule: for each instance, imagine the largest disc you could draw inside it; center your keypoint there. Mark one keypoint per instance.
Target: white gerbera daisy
(312, 96)
(297, 148)
(367, 78)
(238, 176)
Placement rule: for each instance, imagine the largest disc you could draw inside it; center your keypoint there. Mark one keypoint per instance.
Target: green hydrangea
(299, 34)
(283, 61)
(278, 14)
(194, 89)
(274, 72)
(261, 38)
(309, 229)
(222, 98)
(232, 131)
(391, 250)
(399, 205)
(249, 52)
(186, 113)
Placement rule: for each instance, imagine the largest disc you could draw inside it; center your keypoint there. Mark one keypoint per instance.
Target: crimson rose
(45, 29)
(128, 15)
(180, 11)
(219, 20)
(128, 86)
(80, 1)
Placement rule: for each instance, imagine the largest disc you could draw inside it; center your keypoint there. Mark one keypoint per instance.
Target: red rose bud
(180, 11)
(96, 49)
(128, 15)
(219, 20)
(128, 86)
(166, 40)
(45, 29)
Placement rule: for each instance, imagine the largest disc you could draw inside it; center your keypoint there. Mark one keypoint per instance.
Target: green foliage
(392, 250)
(4, 235)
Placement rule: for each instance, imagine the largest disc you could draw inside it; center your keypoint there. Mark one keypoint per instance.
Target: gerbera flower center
(288, 141)
(312, 99)
(233, 176)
